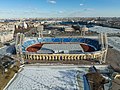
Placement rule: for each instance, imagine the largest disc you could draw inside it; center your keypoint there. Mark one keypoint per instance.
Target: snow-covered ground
(114, 42)
(100, 29)
(48, 78)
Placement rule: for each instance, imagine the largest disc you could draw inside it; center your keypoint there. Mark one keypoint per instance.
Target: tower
(40, 30)
(103, 42)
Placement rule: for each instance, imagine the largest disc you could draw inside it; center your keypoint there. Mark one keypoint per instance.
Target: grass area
(4, 79)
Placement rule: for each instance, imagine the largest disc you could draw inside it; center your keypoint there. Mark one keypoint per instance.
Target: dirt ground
(113, 58)
(6, 77)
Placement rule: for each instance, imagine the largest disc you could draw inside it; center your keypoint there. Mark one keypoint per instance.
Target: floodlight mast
(19, 42)
(103, 42)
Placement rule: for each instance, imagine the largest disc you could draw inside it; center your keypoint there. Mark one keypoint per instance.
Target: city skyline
(59, 8)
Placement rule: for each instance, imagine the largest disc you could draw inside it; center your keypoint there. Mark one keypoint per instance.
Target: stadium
(68, 52)
(62, 49)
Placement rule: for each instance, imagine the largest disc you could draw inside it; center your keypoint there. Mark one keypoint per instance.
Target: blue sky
(59, 8)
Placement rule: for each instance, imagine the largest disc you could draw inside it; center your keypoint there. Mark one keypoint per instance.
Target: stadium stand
(90, 42)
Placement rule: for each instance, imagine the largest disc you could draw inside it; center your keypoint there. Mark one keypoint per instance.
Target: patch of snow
(101, 29)
(47, 78)
(114, 42)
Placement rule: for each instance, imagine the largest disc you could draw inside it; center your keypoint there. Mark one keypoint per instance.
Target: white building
(69, 29)
(25, 25)
(6, 33)
(21, 25)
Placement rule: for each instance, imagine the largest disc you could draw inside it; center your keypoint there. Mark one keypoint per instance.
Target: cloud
(89, 9)
(74, 14)
(52, 1)
(81, 4)
(60, 12)
(82, 12)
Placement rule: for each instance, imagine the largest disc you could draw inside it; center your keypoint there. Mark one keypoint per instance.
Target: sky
(59, 8)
